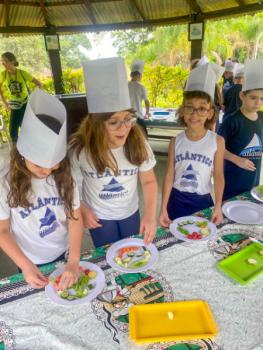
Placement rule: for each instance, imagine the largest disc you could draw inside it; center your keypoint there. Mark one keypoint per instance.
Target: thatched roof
(65, 16)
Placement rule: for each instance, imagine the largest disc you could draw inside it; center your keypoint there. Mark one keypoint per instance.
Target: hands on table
(69, 276)
(148, 229)
(34, 277)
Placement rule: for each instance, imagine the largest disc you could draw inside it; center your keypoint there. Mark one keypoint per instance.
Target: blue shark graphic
(48, 219)
(49, 223)
(189, 178)
(113, 186)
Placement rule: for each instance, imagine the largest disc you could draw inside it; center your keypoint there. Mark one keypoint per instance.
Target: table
(183, 272)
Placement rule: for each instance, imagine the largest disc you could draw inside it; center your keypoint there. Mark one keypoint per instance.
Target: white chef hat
(239, 70)
(137, 66)
(203, 60)
(37, 142)
(229, 66)
(253, 78)
(204, 78)
(106, 85)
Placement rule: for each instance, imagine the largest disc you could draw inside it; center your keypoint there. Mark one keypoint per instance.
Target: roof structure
(67, 16)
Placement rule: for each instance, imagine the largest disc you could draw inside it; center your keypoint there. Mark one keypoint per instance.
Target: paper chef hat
(203, 60)
(204, 78)
(253, 78)
(229, 66)
(239, 70)
(106, 85)
(137, 66)
(37, 142)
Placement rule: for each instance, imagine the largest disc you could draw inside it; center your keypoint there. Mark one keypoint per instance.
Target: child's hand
(217, 216)
(34, 277)
(164, 219)
(90, 219)
(148, 229)
(246, 164)
(69, 276)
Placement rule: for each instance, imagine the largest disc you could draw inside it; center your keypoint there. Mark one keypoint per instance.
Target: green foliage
(165, 85)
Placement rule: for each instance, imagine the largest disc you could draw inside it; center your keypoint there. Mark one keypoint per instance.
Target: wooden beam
(137, 8)
(7, 8)
(241, 2)
(194, 6)
(91, 15)
(138, 24)
(44, 12)
(55, 3)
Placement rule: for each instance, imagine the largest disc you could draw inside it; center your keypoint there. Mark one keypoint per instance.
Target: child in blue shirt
(243, 134)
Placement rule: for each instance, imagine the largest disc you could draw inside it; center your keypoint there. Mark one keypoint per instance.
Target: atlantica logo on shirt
(113, 190)
(189, 178)
(49, 223)
(253, 149)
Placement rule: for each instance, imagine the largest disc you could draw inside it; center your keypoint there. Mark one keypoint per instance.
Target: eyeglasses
(201, 111)
(117, 124)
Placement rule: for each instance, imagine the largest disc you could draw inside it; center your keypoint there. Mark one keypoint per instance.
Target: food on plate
(259, 190)
(132, 257)
(252, 261)
(79, 289)
(260, 252)
(200, 228)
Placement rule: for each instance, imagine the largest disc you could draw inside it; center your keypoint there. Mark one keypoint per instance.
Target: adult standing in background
(14, 81)
(232, 101)
(138, 94)
(228, 76)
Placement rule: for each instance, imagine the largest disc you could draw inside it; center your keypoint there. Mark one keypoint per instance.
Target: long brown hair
(21, 188)
(91, 136)
(188, 95)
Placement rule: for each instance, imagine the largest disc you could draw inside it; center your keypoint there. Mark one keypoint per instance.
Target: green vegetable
(182, 230)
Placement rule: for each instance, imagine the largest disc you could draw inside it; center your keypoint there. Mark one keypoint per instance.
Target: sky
(101, 46)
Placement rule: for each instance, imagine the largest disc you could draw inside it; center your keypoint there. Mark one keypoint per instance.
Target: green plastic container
(237, 266)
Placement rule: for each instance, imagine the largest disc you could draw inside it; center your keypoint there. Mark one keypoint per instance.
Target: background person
(138, 94)
(14, 91)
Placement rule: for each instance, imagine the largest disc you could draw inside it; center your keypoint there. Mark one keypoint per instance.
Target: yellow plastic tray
(182, 320)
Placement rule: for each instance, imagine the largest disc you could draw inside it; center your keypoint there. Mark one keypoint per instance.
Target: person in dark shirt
(232, 101)
(243, 134)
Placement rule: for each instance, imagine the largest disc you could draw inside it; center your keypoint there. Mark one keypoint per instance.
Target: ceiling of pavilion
(67, 16)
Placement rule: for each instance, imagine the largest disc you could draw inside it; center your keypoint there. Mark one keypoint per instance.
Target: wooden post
(53, 48)
(195, 35)
(196, 49)
(55, 62)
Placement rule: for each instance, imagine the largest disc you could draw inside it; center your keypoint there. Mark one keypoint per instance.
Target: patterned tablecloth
(30, 321)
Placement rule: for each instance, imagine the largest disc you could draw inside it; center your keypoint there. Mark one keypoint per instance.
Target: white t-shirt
(41, 231)
(138, 94)
(194, 162)
(110, 197)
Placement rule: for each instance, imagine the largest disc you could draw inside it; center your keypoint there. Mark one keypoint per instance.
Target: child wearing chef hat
(196, 153)
(109, 156)
(39, 206)
(243, 134)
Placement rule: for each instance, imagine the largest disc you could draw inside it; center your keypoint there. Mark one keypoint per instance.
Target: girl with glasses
(109, 155)
(194, 156)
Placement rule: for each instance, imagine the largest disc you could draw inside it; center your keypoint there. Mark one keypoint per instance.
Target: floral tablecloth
(31, 321)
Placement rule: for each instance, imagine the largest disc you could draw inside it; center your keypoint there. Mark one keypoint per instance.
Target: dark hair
(50, 122)
(10, 57)
(188, 95)
(248, 91)
(135, 74)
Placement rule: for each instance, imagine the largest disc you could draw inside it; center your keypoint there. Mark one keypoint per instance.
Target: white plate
(192, 228)
(256, 195)
(243, 212)
(112, 252)
(99, 282)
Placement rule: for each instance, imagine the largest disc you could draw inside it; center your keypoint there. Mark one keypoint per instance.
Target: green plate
(237, 267)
